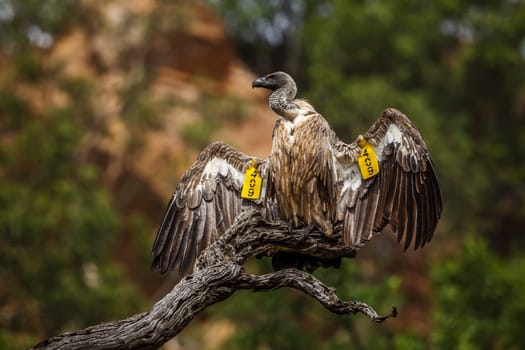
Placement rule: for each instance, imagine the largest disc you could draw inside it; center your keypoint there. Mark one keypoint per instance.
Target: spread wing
(404, 195)
(205, 203)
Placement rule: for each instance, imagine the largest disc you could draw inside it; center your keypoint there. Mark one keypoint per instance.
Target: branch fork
(217, 275)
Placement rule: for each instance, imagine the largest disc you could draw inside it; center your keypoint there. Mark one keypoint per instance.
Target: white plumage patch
(352, 178)
(393, 134)
(291, 125)
(220, 166)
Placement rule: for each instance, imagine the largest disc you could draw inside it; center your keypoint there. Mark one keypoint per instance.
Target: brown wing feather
(204, 205)
(405, 194)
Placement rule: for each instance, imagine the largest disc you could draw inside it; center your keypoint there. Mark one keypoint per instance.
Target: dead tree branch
(218, 274)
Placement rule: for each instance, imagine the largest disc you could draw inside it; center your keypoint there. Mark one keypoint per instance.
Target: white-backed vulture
(310, 178)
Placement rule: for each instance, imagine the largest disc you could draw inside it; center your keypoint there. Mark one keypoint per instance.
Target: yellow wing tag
(368, 164)
(251, 188)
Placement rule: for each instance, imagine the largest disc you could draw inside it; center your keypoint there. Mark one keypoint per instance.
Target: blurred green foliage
(58, 226)
(482, 301)
(58, 233)
(216, 112)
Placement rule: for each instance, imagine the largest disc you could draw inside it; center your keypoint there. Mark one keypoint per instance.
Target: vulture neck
(282, 101)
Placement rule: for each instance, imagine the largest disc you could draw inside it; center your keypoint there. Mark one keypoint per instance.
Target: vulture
(386, 177)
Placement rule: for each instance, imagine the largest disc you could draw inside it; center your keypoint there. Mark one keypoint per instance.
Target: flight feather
(405, 194)
(205, 203)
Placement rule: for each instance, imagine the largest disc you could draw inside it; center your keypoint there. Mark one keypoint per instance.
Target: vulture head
(274, 81)
(283, 95)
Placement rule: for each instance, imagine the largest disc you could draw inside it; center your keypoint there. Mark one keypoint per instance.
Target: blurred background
(104, 104)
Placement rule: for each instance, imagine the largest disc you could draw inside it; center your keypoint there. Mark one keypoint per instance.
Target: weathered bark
(218, 275)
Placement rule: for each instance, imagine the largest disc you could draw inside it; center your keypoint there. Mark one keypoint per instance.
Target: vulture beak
(259, 82)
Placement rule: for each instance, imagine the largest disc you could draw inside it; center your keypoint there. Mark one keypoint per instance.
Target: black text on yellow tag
(251, 188)
(368, 164)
